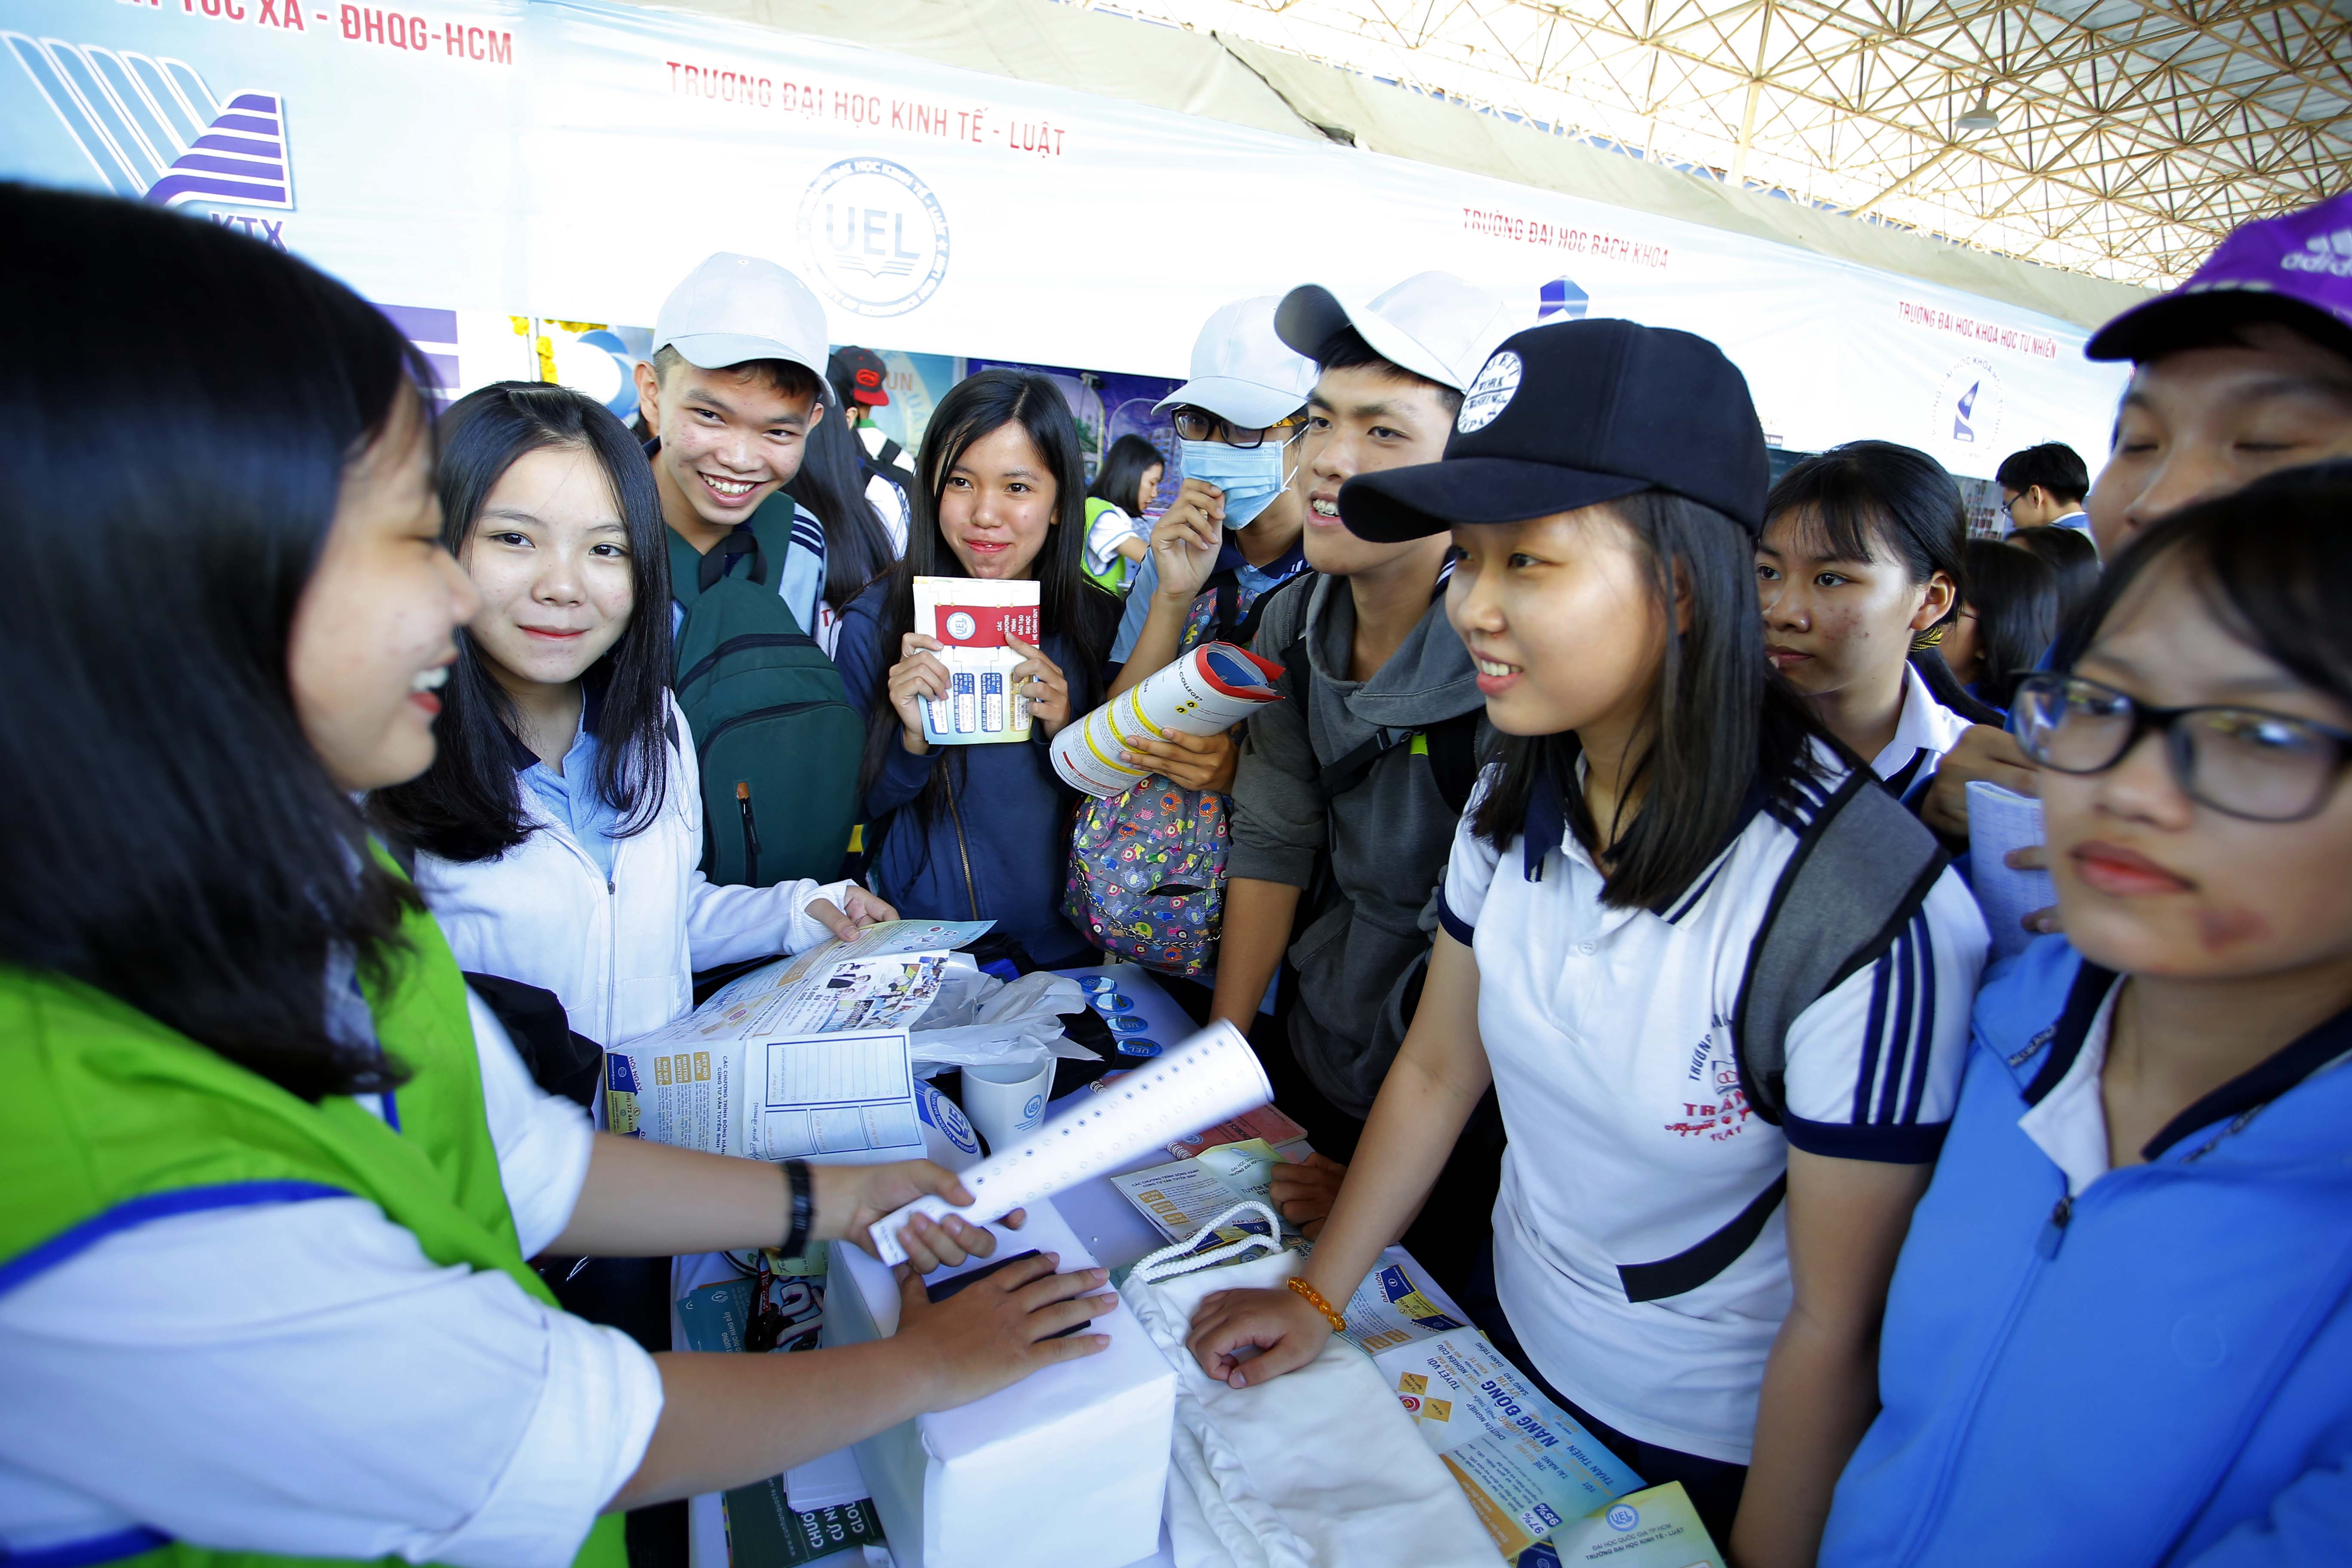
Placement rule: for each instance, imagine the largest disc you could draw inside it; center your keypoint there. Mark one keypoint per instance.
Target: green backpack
(776, 738)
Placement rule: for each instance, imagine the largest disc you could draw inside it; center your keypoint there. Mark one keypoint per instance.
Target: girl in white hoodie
(559, 831)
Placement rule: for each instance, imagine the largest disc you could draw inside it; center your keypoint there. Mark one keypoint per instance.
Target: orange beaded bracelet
(1339, 1323)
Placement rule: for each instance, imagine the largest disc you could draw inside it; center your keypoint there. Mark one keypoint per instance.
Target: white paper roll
(1210, 1077)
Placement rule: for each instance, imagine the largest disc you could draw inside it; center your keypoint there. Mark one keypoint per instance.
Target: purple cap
(2296, 269)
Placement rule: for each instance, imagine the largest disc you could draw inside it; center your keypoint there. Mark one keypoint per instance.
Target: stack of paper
(795, 1060)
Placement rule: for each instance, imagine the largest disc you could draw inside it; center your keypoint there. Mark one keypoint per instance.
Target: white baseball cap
(733, 309)
(1433, 324)
(1241, 370)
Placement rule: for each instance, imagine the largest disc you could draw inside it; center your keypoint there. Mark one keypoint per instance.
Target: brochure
(1526, 1467)
(787, 1061)
(886, 974)
(1265, 1122)
(2000, 820)
(971, 617)
(1212, 688)
(1180, 1197)
(1657, 1528)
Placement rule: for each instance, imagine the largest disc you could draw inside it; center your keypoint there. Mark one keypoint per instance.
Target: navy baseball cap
(1572, 414)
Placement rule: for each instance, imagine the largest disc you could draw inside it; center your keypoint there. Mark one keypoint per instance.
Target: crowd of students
(1592, 897)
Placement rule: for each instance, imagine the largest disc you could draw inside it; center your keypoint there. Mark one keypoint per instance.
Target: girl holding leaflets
(983, 832)
(1860, 551)
(559, 829)
(1699, 1286)
(272, 1173)
(2119, 1327)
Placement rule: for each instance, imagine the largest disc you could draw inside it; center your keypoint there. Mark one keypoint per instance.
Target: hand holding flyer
(975, 619)
(1212, 688)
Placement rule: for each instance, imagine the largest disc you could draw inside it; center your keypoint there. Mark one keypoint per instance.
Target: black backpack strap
(1226, 584)
(1246, 632)
(1862, 867)
(1454, 757)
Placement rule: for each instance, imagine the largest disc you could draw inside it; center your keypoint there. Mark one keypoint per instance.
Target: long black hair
(468, 805)
(1068, 602)
(1721, 720)
(1123, 468)
(2070, 555)
(2015, 600)
(177, 415)
(1869, 500)
(832, 484)
(2273, 563)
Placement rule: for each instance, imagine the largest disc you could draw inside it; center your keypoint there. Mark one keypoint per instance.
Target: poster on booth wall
(490, 159)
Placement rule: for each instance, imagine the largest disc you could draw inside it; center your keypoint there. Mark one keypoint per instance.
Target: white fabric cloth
(1924, 725)
(1322, 1467)
(2070, 1124)
(1630, 1141)
(621, 956)
(298, 1378)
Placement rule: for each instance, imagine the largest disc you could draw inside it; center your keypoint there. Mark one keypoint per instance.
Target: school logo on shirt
(1713, 1106)
(875, 235)
(152, 128)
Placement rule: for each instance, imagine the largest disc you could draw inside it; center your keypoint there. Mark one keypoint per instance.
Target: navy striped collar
(1545, 829)
(2250, 1090)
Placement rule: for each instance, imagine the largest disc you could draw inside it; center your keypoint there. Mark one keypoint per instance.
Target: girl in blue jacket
(2121, 1327)
(983, 832)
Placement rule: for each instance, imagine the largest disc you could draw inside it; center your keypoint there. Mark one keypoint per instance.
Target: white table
(1114, 1231)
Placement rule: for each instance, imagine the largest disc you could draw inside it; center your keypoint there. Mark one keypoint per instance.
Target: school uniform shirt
(300, 1382)
(1112, 527)
(1631, 1143)
(616, 929)
(1924, 732)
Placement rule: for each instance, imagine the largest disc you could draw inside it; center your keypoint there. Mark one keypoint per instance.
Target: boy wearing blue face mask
(1233, 530)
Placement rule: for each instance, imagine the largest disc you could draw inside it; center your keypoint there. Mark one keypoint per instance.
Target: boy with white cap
(1231, 533)
(1355, 784)
(731, 394)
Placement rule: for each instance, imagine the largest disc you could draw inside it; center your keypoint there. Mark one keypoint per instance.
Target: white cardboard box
(1066, 1468)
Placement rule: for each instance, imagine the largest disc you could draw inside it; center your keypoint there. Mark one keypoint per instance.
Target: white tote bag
(1318, 1469)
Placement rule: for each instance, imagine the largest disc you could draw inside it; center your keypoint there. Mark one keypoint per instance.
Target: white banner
(569, 161)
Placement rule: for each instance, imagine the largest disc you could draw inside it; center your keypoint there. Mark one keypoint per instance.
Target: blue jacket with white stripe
(2159, 1371)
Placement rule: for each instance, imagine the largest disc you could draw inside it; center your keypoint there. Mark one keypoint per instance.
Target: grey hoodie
(1366, 942)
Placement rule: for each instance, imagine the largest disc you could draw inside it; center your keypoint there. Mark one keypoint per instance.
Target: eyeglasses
(1199, 424)
(2242, 762)
(2009, 505)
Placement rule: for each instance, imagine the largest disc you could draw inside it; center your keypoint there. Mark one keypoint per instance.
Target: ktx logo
(152, 128)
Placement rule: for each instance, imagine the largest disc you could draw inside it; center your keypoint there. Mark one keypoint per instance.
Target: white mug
(1007, 1101)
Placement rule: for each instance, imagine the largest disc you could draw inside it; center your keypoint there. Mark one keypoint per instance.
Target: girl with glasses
(2118, 1329)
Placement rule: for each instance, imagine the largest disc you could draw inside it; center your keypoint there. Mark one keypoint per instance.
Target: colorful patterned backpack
(1148, 867)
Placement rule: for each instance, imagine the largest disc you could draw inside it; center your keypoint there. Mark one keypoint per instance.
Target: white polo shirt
(1924, 732)
(1631, 1143)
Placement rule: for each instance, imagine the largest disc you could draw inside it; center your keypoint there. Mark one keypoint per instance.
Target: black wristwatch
(803, 1202)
